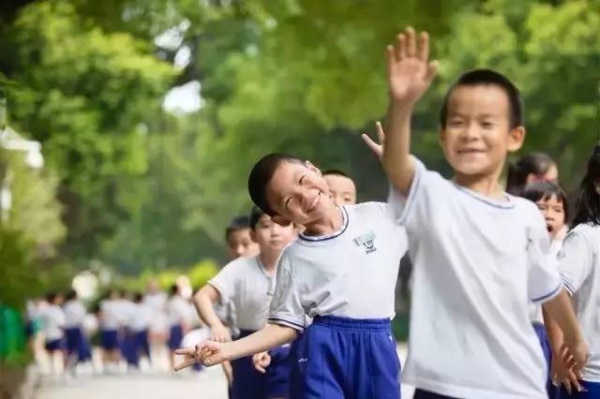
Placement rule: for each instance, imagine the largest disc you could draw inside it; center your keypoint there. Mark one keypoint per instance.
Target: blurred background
(128, 127)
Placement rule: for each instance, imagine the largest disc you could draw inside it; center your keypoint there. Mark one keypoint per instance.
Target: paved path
(146, 385)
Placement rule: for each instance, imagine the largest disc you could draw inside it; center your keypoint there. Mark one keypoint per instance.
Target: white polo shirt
(477, 264)
(245, 283)
(74, 313)
(579, 265)
(53, 321)
(351, 273)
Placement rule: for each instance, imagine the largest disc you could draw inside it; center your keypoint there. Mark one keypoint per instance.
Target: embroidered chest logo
(367, 241)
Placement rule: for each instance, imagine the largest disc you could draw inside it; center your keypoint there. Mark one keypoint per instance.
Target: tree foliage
(142, 188)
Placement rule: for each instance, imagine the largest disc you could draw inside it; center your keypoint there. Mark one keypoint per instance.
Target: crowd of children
(127, 328)
(505, 299)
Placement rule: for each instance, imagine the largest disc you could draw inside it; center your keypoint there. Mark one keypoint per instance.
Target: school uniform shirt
(126, 311)
(579, 265)
(246, 284)
(141, 317)
(226, 313)
(157, 301)
(74, 313)
(177, 310)
(111, 319)
(478, 263)
(535, 310)
(351, 273)
(53, 322)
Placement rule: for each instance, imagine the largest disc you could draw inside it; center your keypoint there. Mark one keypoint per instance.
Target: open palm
(410, 72)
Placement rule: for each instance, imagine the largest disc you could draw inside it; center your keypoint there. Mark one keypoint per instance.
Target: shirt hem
(465, 393)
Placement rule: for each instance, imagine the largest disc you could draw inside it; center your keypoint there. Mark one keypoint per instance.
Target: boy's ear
(280, 220)
(516, 137)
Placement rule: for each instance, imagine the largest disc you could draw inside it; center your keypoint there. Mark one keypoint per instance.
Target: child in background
(579, 265)
(530, 168)
(77, 343)
(551, 199)
(53, 322)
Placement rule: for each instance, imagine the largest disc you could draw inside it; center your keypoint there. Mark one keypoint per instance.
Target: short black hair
(535, 163)
(241, 222)
(260, 176)
(70, 295)
(334, 172)
(542, 190)
(138, 297)
(478, 77)
(255, 214)
(51, 297)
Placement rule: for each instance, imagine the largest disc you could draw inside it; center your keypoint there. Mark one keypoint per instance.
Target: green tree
(83, 94)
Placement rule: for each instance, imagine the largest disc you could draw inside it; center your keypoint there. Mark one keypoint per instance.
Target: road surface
(149, 384)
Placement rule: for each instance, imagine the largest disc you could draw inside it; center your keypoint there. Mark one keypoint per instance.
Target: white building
(32, 151)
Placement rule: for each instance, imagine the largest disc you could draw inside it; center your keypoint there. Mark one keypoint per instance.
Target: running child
(78, 347)
(53, 322)
(480, 255)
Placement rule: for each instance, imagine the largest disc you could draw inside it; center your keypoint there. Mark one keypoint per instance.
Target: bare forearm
(555, 334)
(560, 310)
(396, 152)
(205, 308)
(269, 337)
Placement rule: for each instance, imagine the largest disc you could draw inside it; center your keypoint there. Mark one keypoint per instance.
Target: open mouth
(549, 228)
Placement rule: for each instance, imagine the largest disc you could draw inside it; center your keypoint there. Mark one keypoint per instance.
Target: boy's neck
(328, 224)
(268, 259)
(487, 186)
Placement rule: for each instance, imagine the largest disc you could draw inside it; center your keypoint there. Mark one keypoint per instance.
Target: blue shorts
(54, 345)
(248, 383)
(278, 373)
(175, 337)
(109, 340)
(338, 358)
(77, 343)
(540, 331)
(592, 391)
(141, 343)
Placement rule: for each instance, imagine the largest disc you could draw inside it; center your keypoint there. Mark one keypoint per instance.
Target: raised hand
(261, 361)
(377, 148)
(409, 70)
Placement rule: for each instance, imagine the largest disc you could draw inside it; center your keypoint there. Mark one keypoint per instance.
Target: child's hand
(579, 355)
(409, 70)
(377, 148)
(209, 353)
(261, 360)
(220, 334)
(562, 370)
